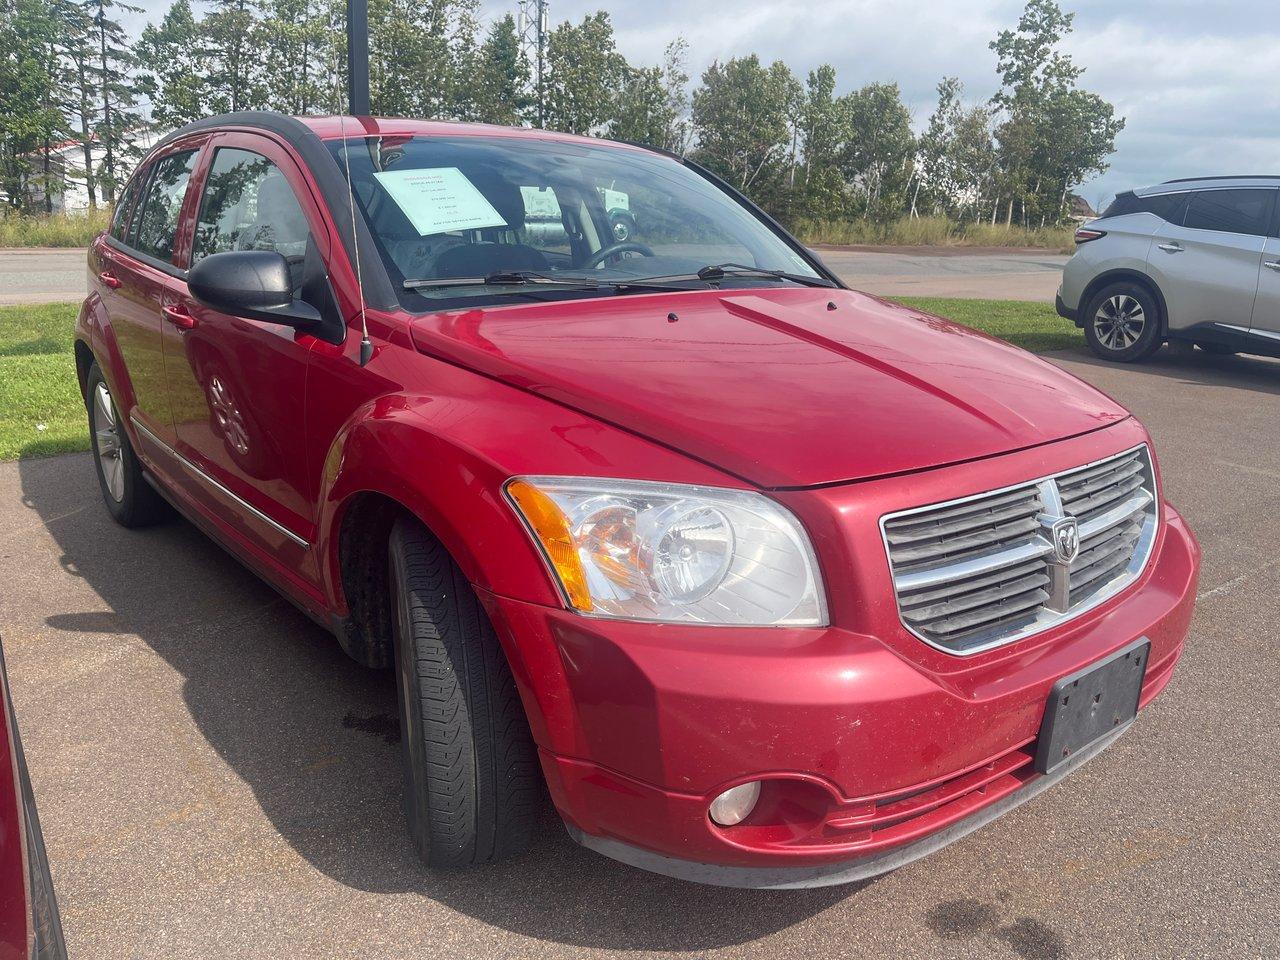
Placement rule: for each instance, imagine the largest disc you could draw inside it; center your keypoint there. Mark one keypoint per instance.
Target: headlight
(670, 552)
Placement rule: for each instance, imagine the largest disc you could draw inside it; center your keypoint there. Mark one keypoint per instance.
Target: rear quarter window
(1166, 206)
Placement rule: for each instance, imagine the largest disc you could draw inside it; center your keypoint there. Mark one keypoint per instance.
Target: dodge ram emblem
(1066, 540)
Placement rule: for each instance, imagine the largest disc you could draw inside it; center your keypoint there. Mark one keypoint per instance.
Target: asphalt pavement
(43, 275)
(216, 780)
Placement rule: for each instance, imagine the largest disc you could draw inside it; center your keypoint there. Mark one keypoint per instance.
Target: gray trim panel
(216, 486)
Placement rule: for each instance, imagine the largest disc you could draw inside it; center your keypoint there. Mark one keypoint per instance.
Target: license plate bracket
(1087, 705)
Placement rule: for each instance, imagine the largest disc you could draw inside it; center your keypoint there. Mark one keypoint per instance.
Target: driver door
(237, 387)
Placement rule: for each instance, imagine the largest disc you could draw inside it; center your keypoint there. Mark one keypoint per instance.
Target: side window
(1166, 206)
(158, 215)
(249, 205)
(1230, 211)
(120, 216)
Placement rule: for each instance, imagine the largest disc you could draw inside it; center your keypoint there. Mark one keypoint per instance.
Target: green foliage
(932, 231)
(744, 115)
(502, 88)
(583, 70)
(41, 412)
(1032, 326)
(59, 230)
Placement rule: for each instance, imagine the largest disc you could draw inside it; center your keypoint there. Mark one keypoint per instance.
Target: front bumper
(874, 749)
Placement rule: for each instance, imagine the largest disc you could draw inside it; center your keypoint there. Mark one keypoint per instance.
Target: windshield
(445, 210)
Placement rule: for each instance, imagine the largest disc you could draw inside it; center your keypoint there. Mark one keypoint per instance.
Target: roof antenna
(366, 345)
(358, 104)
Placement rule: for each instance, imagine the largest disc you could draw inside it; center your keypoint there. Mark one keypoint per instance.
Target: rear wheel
(130, 500)
(1122, 323)
(470, 773)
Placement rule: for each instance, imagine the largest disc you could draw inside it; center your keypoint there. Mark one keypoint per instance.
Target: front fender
(445, 457)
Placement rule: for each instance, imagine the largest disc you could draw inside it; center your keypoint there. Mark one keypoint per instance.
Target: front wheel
(470, 772)
(1122, 323)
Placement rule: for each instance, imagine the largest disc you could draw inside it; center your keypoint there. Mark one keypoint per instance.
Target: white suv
(1196, 261)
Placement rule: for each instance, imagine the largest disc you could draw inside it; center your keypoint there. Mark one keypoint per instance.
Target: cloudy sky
(1196, 80)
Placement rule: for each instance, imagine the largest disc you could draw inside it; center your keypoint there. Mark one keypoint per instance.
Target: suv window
(249, 205)
(1166, 206)
(158, 215)
(1231, 211)
(120, 216)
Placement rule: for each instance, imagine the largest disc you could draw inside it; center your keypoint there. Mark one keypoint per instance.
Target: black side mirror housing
(255, 284)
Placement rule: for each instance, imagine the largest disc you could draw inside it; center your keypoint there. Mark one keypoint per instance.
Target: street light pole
(358, 57)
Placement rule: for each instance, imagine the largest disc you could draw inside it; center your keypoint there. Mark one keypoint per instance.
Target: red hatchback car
(772, 583)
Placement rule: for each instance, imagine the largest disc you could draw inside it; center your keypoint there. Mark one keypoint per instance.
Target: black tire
(131, 501)
(1122, 323)
(470, 771)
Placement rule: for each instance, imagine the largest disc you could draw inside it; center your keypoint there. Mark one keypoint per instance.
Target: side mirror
(251, 283)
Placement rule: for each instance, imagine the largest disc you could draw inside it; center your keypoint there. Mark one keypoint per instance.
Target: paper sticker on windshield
(439, 200)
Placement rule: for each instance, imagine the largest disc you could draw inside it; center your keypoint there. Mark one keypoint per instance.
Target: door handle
(178, 316)
(1170, 247)
(1272, 265)
(111, 280)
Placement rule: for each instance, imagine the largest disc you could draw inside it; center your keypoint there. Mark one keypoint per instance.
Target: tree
(583, 69)
(232, 39)
(173, 77)
(31, 103)
(503, 78)
(119, 122)
(296, 61)
(879, 154)
(1042, 112)
(652, 103)
(742, 115)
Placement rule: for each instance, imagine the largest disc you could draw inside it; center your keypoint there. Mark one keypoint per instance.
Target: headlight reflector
(671, 552)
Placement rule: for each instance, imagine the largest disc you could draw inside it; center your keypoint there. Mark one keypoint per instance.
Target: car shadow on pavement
(1193, 367)
(316, 738)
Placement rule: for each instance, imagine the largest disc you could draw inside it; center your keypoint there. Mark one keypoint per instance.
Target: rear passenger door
(137, 277)
(238, 386)
(1207, 266)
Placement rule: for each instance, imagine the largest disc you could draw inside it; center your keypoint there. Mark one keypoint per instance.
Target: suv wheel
(130, 500)
(1122, 323)
(470, 772)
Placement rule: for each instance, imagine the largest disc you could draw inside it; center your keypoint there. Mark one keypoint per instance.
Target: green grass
(56, 230)
(934, 232)
(41, 412)
(1032, 326)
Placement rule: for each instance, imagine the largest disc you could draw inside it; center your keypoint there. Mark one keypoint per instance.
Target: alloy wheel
(106, 432)
(1119, 322)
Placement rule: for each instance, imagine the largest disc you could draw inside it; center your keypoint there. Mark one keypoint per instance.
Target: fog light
(735, 804)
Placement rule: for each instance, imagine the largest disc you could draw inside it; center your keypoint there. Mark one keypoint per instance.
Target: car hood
(783, 387)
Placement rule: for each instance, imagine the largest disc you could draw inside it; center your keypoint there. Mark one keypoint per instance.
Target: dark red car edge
(771, 583)
(30, 928)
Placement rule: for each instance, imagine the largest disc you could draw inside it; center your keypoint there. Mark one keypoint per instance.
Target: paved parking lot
(41, 276)
(216, 780)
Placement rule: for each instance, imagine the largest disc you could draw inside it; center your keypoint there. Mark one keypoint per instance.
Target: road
(41, 276)
(217, 780)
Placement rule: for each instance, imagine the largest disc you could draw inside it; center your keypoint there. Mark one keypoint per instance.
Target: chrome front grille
(986, 570)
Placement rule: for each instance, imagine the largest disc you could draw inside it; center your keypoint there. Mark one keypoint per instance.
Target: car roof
(1209, 183)
(333, 128)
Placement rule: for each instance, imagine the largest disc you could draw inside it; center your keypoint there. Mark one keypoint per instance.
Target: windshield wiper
(719, 271)
(507, 278)
(530, 277)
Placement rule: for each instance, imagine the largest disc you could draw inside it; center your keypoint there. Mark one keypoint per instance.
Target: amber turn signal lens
(551, 527)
